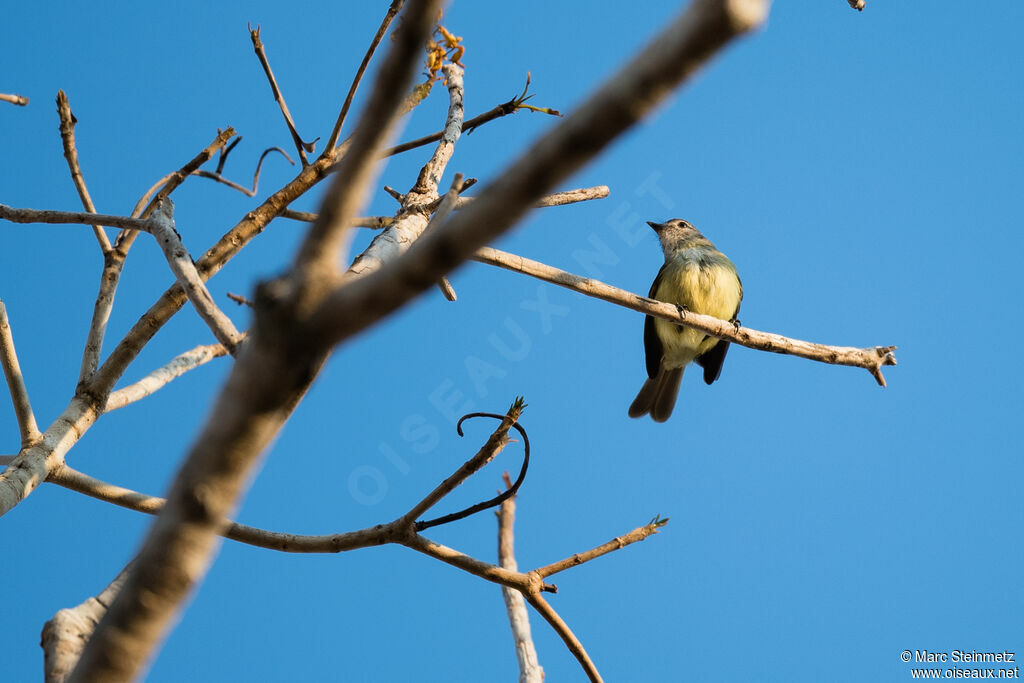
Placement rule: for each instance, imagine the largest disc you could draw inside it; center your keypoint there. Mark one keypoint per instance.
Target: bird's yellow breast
(709, 288)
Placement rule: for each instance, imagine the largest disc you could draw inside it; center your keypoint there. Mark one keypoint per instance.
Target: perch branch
(27, 427)
(67, 136)
(684, 46)
(871, 358)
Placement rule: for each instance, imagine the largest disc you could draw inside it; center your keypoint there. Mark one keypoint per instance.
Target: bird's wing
(652, 344)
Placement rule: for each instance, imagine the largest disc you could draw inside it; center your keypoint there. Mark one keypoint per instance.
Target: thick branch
(65, 635)
(268, 380)
(16, 383)
(871, 358)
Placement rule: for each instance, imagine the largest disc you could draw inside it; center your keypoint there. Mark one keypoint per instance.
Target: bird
(698, 278)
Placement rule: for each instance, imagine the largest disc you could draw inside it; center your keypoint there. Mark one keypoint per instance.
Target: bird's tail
(658, 395)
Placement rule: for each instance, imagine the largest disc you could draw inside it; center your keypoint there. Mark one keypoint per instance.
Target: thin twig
(395, 7)
(871, 358)
(163, 375)
(301, 146)
(503, 109)
(67, 136)
(530, 670)
(241, 300)
(27, 427)
(184, 269)
(617, 543)
(216, 175)
(19, 100)
(372, 222)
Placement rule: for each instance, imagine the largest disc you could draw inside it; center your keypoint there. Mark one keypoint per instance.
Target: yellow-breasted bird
(701, 279)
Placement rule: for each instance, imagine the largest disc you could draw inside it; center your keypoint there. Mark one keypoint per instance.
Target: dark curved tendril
(500, 498)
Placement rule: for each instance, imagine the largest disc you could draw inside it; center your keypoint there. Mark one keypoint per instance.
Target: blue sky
(863, 171)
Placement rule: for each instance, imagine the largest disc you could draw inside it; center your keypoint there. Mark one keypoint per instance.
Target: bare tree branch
(163, 375)
(412, 217)
(685, 45)
(617, 543)
(16, 383)
(530, 670)
(65, 635)
(301, 146)
(871, 358)
(71, 217)
(19, 100)
(266, 383)
(565, 633)
(216, 175)
(126, 237)
(444, 209)
(395, 8)
(67, 136)
(504, 109)
(379, 222)
(184, 270)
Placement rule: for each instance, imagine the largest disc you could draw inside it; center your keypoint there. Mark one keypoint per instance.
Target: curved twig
(501, 497)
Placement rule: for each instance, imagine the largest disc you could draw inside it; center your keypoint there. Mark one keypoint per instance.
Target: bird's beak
(654, 225)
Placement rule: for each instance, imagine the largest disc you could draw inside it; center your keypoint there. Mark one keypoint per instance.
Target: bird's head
(677, 233)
